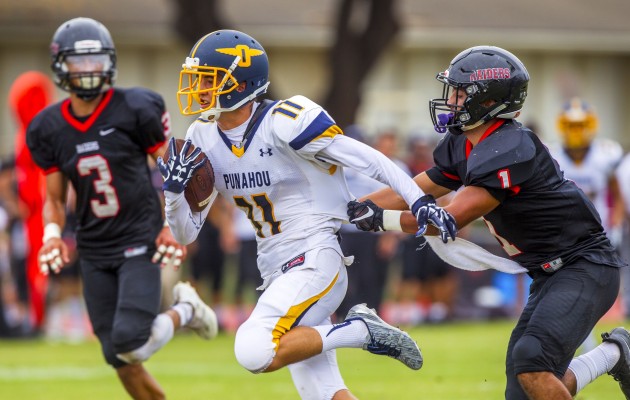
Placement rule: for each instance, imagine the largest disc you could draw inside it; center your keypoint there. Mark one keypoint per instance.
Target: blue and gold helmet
(577, 124)
(224, 70)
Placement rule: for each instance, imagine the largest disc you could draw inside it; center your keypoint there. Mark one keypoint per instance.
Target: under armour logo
(180, 170)
(262, 153)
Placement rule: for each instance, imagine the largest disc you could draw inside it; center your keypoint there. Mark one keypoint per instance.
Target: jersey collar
(488, 132)
(255, 122)
(84, 126)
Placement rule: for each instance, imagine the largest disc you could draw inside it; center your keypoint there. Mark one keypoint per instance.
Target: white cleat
(204, 320)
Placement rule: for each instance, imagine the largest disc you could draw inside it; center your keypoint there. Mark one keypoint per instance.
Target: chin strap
(214, 113)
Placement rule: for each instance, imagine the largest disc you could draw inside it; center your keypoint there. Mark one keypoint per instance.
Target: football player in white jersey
(282, 163)
(590, 162)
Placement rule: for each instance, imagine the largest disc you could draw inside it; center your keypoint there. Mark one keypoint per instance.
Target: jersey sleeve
(444, 173)
(153, 120)
(503, 161)
(37, 143)
(304, 125)
(185, 224)
(362, 158)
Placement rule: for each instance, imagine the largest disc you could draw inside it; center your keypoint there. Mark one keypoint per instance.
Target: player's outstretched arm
(53, 254)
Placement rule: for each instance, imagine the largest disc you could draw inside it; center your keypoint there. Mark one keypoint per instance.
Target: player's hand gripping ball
(188, 170)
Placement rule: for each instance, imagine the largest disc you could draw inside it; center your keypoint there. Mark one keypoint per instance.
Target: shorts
(560, 313)
(123, 299)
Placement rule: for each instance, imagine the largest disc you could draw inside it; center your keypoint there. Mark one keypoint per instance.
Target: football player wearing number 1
(281, 163)
(98, 139)
(543, 221)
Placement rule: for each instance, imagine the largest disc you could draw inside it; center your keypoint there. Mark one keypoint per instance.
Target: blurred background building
(571, 48)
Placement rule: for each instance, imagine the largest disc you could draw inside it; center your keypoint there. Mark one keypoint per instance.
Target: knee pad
(527, 354)
(254, 348)
(125, 337)
(161, 332)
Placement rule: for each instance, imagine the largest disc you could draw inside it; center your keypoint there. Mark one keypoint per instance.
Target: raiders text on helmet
(224, 70)
(494, 81)
(83, 57)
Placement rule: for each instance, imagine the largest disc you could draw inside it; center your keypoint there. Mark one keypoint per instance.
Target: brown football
(201, 184)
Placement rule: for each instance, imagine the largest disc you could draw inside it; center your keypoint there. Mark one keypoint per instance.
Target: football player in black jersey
(504, 174)
(98, 139)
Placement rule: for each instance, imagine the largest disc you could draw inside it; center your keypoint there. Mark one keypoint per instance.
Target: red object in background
(30, 93)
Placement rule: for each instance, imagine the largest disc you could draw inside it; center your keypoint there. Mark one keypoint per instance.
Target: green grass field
(461, 361)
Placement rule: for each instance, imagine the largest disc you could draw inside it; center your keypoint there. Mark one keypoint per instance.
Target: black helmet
(483, 73)
(90, 40)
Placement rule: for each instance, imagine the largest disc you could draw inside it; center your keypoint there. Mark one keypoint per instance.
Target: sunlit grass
(462, 361)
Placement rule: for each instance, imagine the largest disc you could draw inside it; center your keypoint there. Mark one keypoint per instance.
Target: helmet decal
(245, 52)
(489, 74)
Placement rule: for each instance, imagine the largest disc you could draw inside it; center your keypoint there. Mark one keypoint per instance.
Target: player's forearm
(54, 212)
(366, 160)
(407, 221)
(386, 198)
(185, 224)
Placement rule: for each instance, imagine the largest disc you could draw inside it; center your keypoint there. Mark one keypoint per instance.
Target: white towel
(463, 254)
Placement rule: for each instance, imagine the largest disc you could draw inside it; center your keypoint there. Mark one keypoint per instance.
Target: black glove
(427, 212)
(179, 168)
(366, 215)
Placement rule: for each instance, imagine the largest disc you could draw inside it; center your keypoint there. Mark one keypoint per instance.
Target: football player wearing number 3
(281, 163)
(98, 139)
(543, 221)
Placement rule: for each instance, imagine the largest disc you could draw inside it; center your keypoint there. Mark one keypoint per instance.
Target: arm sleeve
(41, 151)
(353, 154)
(184, 223)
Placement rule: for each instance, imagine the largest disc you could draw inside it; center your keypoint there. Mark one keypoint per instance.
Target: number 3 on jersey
(266, 209)
(102, 185)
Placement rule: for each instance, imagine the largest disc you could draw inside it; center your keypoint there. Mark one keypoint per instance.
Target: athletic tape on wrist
(391, 220)
(51, 230)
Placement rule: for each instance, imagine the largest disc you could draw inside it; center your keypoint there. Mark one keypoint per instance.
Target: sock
(596, 362)
(346, 334)
(185, 311)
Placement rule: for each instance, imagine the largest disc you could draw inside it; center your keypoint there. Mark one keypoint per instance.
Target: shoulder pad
(300, 121)
(610, 149)
(139, 98)
(510, 149)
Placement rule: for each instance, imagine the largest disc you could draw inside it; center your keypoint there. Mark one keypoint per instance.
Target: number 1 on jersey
(504, 177)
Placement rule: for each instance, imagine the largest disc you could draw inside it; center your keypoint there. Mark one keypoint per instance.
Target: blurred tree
(364, 30)
(195, 18)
